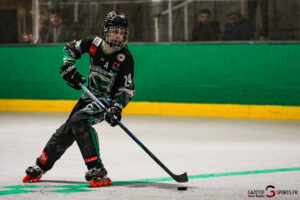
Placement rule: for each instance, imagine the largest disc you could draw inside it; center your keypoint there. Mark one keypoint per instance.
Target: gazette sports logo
(271, 192)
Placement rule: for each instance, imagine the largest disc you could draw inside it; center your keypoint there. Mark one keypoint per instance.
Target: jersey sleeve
(73, 50)
(126, 88)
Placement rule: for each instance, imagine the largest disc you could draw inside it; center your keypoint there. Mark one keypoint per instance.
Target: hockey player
(110, 79)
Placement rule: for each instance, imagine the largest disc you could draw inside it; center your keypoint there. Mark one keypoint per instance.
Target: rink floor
(224, 158)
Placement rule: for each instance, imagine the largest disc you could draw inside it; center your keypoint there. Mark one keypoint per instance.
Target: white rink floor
(226, 158)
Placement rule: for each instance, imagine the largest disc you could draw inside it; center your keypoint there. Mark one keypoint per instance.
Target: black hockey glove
(113, 113)
(71, 75)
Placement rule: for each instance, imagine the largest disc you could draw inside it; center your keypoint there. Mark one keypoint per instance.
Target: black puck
(181, 188)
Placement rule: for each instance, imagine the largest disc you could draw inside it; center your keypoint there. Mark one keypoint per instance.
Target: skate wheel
(104, 183)
(36, 180)
(28, 179)
(92, 182)
(108, 181)
(100, 182)
(25, 179)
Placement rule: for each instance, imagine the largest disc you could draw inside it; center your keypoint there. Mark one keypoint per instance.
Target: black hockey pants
(78, 127)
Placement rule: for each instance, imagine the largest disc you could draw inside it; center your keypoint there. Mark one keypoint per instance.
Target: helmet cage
(113, 43)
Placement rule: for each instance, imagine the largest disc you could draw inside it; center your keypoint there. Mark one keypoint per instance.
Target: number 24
(128, 80)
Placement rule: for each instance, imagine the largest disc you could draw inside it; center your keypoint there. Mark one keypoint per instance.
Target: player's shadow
(63, 181)
(164, 186)
(140, 184)
(129, 184)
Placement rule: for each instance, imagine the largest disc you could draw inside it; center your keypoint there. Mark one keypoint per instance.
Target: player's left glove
(113, 113)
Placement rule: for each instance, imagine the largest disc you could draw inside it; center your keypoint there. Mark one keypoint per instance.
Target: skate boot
(34, 174)
(97, 177)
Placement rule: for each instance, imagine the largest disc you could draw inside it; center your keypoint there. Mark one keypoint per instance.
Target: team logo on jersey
(121, 57)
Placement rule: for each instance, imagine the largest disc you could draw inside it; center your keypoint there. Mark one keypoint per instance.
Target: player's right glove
(113, 113)
(71, 75)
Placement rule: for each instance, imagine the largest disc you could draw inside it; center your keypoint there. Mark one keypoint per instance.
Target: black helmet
(115, 20)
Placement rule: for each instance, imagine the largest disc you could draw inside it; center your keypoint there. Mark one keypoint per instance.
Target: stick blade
(181, 178)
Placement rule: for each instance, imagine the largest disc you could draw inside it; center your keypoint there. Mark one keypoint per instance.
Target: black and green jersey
(110, 75)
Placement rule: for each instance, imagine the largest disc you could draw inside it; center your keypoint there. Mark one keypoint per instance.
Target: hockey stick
(179, 178)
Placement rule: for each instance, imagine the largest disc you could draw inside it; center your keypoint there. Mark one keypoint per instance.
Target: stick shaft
(178, 178)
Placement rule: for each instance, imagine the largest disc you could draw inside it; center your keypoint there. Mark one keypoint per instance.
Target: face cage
(113, 43)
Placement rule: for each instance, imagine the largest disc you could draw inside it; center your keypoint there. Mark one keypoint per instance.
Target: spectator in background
(264, 12)
(57, 31)
(43, 31)
(27, 38)
(237, 28)
(206, 29)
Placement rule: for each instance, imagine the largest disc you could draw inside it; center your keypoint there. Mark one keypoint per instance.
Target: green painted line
(73, 188)
(81, 185)
(14, 191)
(264, 171)
(70, 190)
(85, 187)
(152, 180)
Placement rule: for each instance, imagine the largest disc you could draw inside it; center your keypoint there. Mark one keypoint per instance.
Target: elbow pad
(74, 49)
